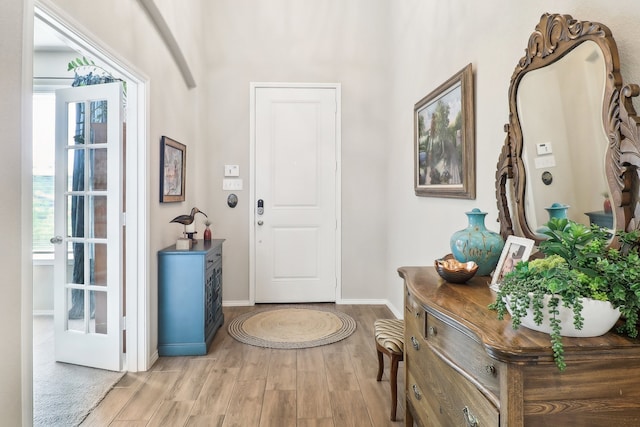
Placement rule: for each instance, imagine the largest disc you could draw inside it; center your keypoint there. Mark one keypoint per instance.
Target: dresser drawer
(442, 397)
(466, 354)
(213, 256)
(414, 317)
(417, 401)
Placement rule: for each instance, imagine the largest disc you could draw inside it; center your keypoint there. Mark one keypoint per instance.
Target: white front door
(295, 193)
(88, 226)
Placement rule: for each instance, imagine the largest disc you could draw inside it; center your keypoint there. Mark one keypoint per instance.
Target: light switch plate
(544, 162)
(231, 170)
(232, 184)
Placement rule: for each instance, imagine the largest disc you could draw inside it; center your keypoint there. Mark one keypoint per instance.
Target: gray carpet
(63, 394)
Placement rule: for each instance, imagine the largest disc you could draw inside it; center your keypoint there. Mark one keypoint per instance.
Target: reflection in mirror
(564, 140)
(571, 122)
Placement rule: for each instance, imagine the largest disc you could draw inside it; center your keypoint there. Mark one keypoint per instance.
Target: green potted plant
(580, 273)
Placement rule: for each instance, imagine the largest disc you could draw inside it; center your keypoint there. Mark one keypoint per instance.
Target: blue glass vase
(476, 243)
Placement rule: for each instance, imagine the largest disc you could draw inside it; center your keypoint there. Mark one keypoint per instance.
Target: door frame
(252, 188)
(137, 246)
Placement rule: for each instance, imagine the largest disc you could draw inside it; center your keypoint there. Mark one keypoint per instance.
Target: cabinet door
(209, 298)
(181, 298)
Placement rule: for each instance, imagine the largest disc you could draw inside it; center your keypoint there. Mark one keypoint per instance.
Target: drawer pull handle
(433, 331)
(415, 343)
(491, 370)
(471, 419)
(416, 392)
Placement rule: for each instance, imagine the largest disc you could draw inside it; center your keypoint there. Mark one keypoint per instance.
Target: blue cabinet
(189, 298)
(601, 218)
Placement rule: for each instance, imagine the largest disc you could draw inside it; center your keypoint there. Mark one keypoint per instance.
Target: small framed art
(515, 249)
(444, 143)
(173, 169)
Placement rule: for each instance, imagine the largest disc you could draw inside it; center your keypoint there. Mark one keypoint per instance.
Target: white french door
(88, 226)
(295, 216)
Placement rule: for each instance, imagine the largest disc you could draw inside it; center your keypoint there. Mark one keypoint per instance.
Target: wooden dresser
(464, 367)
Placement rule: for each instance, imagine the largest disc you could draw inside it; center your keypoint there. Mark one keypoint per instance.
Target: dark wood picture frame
(444, 149)
(173, 170)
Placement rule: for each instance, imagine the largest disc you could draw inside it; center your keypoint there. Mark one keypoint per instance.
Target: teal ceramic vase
(556, 210)
(476, 243)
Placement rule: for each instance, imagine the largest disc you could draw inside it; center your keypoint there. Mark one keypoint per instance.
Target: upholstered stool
(389, 335)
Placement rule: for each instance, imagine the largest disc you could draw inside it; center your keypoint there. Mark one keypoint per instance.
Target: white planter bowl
(599, 318)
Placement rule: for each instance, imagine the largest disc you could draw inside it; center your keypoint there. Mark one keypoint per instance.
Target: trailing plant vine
(579, 264)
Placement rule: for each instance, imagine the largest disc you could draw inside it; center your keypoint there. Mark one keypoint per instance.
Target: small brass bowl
(454, 271)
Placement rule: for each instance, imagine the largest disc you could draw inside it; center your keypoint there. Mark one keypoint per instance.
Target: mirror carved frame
(554, 37)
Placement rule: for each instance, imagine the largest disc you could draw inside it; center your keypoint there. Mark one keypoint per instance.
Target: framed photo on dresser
(515, 249)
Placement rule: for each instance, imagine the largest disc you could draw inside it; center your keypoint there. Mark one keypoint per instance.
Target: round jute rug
(292, 327)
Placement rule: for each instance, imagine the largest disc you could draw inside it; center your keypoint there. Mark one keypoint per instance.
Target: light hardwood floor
(242, 385)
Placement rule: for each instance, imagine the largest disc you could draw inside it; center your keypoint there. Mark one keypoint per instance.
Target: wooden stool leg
(380, 365)
(393, 383)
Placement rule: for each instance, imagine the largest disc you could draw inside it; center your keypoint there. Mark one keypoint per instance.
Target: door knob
(56, 240)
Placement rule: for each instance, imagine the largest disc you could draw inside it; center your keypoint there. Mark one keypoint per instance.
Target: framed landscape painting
(444, 140)
(173, 165)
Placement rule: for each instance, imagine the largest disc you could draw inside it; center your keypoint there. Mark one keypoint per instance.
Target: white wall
(430, 42)
(306, 41)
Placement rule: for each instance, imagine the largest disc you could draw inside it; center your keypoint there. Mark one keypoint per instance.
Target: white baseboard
(238, 303)
(153, 359)
(362, 302)
(398, 313)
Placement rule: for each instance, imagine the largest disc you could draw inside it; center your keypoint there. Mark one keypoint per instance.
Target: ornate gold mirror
(572, 136)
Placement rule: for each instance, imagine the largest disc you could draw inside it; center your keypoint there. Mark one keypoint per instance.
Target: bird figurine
(188, 220)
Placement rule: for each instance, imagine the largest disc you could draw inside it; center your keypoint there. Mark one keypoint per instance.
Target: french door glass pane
(98, 324)
(75, 216)
(98, 220)
(98, 122)
(77, 321)
(76, 123)
(97, 169)
(98, 254)
(75, 271)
